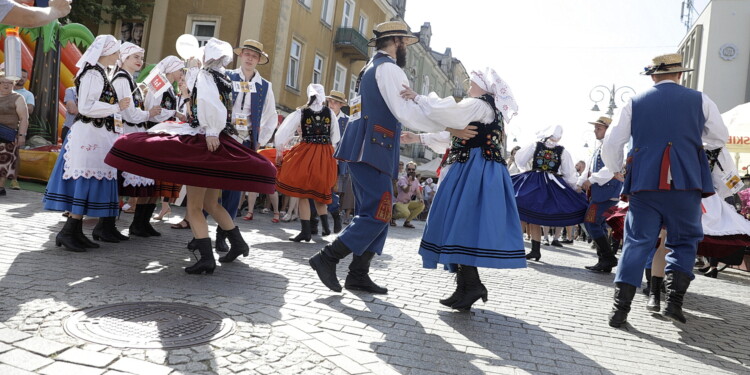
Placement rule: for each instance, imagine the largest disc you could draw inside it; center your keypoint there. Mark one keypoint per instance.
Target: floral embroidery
(317, 126)
(547, 159)
(489, 139)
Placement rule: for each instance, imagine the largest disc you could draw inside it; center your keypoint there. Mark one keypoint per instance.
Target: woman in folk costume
(202, 155)
(473, 221)
(134, 119)
(81, 182)
(309, 169)
(544, 192)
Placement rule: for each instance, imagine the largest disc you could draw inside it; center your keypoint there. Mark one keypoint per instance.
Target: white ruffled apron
(85, 150)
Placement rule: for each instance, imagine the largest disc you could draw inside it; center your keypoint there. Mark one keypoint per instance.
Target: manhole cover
(148, 325)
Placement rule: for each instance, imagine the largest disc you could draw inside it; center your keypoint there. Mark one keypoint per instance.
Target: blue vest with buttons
(666, 127)
(374, 137)
(343, 121)
(257, 101)
(608, 191)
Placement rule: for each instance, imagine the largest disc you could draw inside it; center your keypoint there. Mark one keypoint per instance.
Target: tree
(90, 11)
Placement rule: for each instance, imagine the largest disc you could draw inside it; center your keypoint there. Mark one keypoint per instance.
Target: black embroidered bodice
(547, 159)
(168, 102)
(490, 139)
(108, 96)
(224, 86)
(137, 95)
(713, 159)
(316, 126)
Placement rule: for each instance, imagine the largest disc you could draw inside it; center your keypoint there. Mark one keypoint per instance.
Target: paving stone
(10, 336)
(139, 367)
(86, 357)
(41, 346)
(24, 360)
(63, 368)
(10, 370)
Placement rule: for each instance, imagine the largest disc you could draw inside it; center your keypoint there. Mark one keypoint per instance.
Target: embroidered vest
(489, 138)
(137, 95)
(316, 126)
(168, 102)
(257, 102)
(224, 87)
(108, 96)
(610, 190)
(547, 159)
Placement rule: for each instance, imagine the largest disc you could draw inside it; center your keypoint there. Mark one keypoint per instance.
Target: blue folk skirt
(80, 196)
(547, 200)
(473, 219)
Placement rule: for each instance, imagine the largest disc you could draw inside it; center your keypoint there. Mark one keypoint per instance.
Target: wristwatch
(21, 135)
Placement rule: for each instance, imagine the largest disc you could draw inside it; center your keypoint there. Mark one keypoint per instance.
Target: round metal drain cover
(148, 325)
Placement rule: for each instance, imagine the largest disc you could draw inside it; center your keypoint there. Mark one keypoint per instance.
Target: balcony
(351, 43)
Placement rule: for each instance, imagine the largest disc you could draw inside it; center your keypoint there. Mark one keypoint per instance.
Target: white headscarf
(489, 81)
(317, 90)
(103, 45)
(551, 134)
(127, 49)
(217, 54)
(170, 64)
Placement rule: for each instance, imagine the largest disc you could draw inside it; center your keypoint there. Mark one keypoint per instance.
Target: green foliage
(77, 34)
(38, 125)
(90, 11)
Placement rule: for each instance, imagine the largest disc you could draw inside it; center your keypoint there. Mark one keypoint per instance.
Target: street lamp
(601, 92)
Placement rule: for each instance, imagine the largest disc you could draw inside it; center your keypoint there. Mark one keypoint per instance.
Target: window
(339, 77)
(348, 18)
(203, 31)
(362, 27)
(326, 14)
(352, 87)
(292, 77)
(306, 3)
(317, 76)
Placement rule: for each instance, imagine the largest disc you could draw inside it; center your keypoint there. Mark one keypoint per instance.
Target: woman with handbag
(14, 120)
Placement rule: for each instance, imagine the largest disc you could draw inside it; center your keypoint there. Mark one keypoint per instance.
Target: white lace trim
(135, 180)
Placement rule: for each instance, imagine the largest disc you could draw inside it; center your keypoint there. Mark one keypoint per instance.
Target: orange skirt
(309, 171)
(166, 189)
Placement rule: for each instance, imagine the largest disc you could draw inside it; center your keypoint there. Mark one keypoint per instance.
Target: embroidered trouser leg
(595, 223)
(373, 192)
(680, 212)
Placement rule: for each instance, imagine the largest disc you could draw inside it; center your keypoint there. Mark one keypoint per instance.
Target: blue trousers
(334, 206)
(595, 223)
(373, 196)
(680, 212)
(230, 200)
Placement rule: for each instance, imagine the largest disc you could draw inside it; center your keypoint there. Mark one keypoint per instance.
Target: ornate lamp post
(602, 91)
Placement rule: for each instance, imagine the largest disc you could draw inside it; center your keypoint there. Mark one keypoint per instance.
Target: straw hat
(253, 45)
(604, 120)
(337, 96)
(666, 64)
(390, 29)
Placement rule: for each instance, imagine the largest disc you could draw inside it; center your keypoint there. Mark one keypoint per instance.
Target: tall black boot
(456, 293)
(239, 246)
(624, 294)
(325, 261)
(336, 221)
(473, 288)
(607, 260)
(206, 263)
(82, 239)
(324, 224)
(598, 258)
(615, 246)
(677, 284)
(137, 227)
(103, 230)
(148, 213)
(313, 223)
(221, 240)
(647, 289)
(305, 234)
(654, 299)
(111, 227)
(535, 250)
(67, 236)
(359, 275)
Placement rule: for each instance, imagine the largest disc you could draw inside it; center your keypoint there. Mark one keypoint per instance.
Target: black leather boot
(111, 227)
(148, 213)
(336, 221)
(238, 246)
(654, 298)
(192, 245)
(325, 261)
(137, 227)
(313, 224)
(598, 258)
(473, 288)
(221, 240)
(67, 236)
(647, 289)
(206, 263)
(82, 239)
(607, 260)
(105, 230)
(456, 293)
(535, 253)
(359, 275)
(677, 284)
(324, 224)
(624, 294)
(305, 235)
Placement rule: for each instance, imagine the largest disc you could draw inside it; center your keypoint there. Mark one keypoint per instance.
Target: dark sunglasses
(410, 169)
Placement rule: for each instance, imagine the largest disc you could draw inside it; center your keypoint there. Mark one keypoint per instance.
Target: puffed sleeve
(286, 131)
(447, 111)
(131, 114)
(438, 142)
(91, 87)
(335, 132)
(269, 119)
(523, 157)
(212, 114)
(567, 168)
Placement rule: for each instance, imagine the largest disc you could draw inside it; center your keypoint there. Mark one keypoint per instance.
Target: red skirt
(185, 159)
(167, 189)
(309, 171)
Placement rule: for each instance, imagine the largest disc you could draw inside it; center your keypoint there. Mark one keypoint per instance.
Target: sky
(552, 53)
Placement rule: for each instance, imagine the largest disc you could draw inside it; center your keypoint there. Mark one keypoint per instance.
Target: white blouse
(567, 167)
(89, 91)
(131, 114)
(152, 101)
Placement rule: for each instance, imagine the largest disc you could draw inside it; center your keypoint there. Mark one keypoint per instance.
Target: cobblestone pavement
(548, 318)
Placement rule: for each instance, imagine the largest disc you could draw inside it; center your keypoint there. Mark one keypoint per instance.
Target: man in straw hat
(603, 188)
(370, 146)
(667, 173)
(336, 100)
(253, 115)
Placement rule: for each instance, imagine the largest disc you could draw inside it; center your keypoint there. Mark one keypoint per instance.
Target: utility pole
(686, 13)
